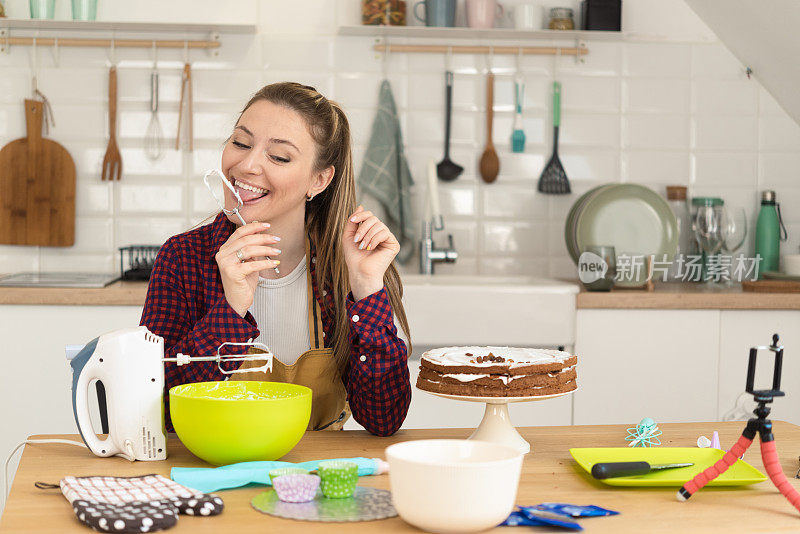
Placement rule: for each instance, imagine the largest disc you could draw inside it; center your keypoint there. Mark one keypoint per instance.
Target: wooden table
(549, 475)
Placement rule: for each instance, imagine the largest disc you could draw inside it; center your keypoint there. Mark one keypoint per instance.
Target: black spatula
(447, 170)
(553, 180)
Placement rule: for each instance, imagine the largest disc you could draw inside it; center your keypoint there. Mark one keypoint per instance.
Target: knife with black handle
(626, 469)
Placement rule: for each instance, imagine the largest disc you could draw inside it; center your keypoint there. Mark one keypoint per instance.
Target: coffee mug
(597, 267)
(528, 17)
(483, 13)
(440, 13)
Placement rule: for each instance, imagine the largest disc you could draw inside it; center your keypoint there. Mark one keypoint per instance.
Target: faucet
(428, 253)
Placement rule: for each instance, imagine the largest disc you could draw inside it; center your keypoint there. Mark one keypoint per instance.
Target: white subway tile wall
(651, 112)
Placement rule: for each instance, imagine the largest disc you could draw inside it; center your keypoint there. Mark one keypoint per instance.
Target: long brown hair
(327, 213)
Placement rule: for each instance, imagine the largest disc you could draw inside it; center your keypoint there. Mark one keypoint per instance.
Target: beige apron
(329, 408)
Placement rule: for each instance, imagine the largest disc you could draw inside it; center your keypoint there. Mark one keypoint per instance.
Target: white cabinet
(679, 365)
(646, 363)
(36, 379)
(740, 330)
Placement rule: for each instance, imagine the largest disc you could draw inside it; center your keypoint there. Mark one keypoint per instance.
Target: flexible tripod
(760, 424)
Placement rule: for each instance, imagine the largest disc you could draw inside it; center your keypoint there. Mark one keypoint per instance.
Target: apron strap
(315, 330)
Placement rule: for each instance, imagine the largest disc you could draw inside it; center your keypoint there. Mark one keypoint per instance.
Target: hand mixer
(129, 363)
(221, 201)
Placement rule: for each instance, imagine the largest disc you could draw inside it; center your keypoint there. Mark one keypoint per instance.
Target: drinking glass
(607, 255)
(737, 233)
(42, 9)
(710, 230)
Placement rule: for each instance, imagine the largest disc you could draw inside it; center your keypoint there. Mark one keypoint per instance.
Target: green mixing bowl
(229, 422)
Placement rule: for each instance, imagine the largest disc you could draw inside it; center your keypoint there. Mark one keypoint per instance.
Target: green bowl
(230, 422)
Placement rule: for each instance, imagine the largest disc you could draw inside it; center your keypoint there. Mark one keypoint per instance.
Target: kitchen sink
(483, 310)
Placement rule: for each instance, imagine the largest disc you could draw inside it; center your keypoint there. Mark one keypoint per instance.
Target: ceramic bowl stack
(633, 219)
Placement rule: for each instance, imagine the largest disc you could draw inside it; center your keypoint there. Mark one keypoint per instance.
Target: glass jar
(561, 19)
(383, 12)
(676, 198)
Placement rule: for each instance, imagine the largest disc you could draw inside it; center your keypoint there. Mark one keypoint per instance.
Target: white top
(280, 308)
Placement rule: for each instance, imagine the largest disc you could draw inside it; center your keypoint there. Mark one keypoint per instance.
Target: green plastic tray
(739, 474)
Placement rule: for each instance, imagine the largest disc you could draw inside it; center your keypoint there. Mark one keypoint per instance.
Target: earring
(309, 198)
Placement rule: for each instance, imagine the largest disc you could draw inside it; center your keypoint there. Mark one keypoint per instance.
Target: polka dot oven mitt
(135, 504)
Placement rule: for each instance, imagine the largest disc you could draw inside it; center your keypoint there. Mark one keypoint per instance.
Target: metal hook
(56, 53)
(186, 51)
(448, 59)
(385, 59)
(556, 58)
(113, 52)
(155, 55)
(34, 67)
(491, 58)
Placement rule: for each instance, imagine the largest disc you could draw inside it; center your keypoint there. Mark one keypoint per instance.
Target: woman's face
(269, 159)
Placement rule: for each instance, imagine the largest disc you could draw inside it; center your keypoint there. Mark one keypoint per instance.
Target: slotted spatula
(554, 180)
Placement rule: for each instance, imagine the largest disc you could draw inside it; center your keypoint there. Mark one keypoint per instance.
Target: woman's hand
(369, 248)
(239, 273)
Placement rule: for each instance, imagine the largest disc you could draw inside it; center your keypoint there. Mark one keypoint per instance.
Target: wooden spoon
(490, 164)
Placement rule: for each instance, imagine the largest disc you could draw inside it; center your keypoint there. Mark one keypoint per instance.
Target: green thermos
(769, 233)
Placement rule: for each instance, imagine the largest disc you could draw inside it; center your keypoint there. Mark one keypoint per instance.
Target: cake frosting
(497, 371)
(518, 357)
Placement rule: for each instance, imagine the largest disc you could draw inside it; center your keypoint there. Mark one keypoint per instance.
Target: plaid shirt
(186, 306)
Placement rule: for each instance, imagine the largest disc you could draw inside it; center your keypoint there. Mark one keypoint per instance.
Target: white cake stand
(496, 424)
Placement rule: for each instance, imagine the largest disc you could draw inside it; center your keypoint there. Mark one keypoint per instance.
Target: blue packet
(571, 510)
(538, 518)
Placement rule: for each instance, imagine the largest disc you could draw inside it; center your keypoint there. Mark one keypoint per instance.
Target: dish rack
(139, 260)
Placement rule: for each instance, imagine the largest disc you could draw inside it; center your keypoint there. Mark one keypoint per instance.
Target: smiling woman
(328, 316)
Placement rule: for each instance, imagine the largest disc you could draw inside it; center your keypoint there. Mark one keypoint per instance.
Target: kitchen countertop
(548, 475)
(687, 296)
(675, 296)
(121, 293)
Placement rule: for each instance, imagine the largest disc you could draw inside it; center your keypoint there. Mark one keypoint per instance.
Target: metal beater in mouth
(221, 201)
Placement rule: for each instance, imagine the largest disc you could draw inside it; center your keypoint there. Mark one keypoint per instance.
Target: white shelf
(123, 27)
(470, 33)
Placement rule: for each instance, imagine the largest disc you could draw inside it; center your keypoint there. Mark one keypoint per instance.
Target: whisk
(153, 138)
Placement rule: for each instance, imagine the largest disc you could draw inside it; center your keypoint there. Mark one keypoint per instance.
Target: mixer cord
(7, 487)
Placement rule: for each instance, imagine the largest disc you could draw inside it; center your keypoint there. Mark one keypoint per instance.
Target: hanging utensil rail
(108, 43)
(578, 50)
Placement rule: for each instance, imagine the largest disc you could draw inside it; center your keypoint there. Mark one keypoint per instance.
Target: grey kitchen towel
(385, 174)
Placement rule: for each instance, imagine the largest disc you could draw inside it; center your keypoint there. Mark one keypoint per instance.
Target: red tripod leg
(715, 470)
(769, 454)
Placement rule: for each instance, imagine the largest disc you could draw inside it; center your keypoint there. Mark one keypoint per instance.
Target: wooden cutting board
(772, 286)
(37, 188)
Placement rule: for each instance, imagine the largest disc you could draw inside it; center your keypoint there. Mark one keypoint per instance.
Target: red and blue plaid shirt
(186, 306)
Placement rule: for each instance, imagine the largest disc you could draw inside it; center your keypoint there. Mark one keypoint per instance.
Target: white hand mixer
(129, 363)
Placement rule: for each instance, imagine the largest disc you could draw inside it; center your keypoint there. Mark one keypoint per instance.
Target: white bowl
(452, 485)
(791, 264)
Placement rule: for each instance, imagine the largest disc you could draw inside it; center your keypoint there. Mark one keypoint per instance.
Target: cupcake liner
(275, 473)
(339, 478)
(296, 487)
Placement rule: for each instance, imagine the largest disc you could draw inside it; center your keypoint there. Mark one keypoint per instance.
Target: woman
(328, 315)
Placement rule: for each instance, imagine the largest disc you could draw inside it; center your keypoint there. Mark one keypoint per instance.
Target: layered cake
(497, 371)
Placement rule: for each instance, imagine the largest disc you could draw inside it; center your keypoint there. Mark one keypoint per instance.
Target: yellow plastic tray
(739, 474)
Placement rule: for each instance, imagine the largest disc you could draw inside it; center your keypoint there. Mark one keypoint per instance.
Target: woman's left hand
(369, 248)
